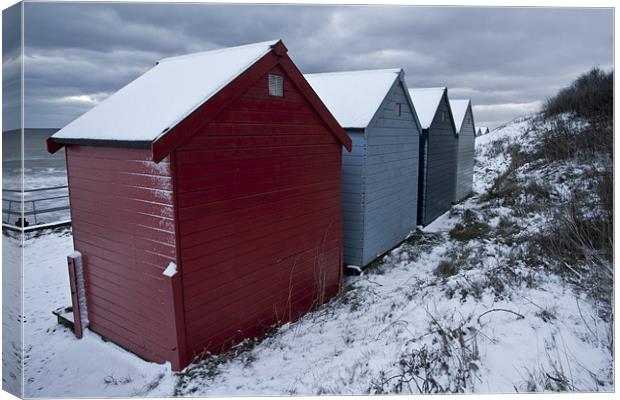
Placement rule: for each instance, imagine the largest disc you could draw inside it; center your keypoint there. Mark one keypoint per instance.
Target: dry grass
(467, 232)
(446, 268)
(449, 365)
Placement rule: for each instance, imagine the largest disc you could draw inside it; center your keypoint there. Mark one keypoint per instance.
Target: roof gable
(354, 97)
(402, 85)
(459, 111)
(164, 95)
(426, 102)
(221, 89)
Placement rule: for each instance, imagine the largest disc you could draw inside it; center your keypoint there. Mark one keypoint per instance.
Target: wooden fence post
(175, 291)
(75, 300)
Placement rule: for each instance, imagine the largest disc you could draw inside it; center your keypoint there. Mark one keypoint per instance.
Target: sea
(41, 170)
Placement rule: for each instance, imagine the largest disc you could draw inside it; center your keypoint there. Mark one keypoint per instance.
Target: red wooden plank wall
(259, 217)
(123, 224)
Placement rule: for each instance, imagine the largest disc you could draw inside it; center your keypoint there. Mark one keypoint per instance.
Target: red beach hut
(205, 202)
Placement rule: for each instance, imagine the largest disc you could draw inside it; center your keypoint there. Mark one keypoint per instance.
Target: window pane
(276, 85)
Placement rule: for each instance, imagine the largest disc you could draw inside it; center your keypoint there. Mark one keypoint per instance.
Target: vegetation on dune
(589, 96)
(572, 147)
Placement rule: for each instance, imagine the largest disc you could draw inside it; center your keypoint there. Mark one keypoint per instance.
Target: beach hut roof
(459, 109)
(426, 101)
(166, 94)
(354, 97)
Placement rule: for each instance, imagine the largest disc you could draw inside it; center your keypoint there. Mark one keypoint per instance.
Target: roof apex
(354, 97)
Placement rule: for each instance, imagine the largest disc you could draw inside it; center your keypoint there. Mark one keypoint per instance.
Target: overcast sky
(507, 60)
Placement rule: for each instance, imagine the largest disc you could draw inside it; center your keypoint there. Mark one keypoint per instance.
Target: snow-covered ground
(56, 364)
(436, 314)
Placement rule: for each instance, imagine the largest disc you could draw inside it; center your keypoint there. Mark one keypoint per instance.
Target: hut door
(422, 170)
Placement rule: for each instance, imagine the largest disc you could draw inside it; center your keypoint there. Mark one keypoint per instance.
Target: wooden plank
(230, 192)
(127, 191)
(123, 232)
(241, 166)
(138, 297)
(253, 260)
(143, 167)
(254, 152)
(140, 180)
(80, 197)
(87, 248)
(129, 221)
(253, 129)
(260, 117)
(109, 153)
(127, 247)
(268, 104)
(75, 300)
(235, 314)
(214, 142)
(261, 235)
(319, 199)
(237, 202)
(218, 180)
(254, 221)
(226, 282)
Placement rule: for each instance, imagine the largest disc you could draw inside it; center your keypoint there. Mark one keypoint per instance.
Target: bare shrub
(605, 192)
(580, 248)
(446, 268)
(506, 187)
(589, 96)
(507, 230)
(449, 365)
(467, 232)
(569, 139)
(495, 148)
(421, 242)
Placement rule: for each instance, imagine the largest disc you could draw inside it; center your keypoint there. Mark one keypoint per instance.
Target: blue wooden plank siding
(379, 175)
(391, 175)
(465, 162)
(352, 198)
(438, 165)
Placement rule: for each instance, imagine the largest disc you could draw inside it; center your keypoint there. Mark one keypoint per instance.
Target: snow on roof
(426, 101)
(459, 109)
(164, 95)
(353, 97)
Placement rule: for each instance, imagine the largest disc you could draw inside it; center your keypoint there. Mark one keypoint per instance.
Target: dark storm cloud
(11, 67)
(506, 60)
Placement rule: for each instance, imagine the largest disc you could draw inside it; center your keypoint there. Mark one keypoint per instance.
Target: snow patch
(171, 270)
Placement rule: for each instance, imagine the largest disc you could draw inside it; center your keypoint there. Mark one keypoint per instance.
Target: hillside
(483, 300)
(510, 291)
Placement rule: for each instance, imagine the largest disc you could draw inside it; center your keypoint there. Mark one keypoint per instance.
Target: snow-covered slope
(459, 307)
(491, 156)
